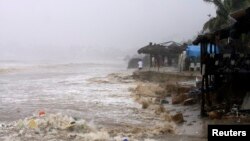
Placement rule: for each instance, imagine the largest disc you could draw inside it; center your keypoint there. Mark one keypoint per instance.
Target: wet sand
(193, 126)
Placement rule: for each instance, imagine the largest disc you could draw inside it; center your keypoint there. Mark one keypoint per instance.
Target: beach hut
(159, 52)
(226, 74)
(190, 58)
(194, 50)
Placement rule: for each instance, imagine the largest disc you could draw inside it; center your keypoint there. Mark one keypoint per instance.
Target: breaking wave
(12, 66)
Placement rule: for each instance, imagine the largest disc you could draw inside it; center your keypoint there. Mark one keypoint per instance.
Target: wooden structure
(170, 49)
(225, 73)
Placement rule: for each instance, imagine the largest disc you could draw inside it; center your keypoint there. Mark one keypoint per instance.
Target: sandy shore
(155, 86)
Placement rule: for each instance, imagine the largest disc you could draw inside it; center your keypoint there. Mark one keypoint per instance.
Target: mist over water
(62, 88)
(87, 30)
(63, 55)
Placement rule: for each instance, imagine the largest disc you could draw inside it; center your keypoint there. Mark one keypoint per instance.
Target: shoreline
(190, 112)
(171, 83)
(140, 123)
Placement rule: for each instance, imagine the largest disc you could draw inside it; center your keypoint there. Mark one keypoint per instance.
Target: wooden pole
(150, 60)
(202, 97)
(203, 81)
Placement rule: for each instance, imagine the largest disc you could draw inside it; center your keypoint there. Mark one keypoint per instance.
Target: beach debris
(177, 99)
(164, 101)
(171, 87)
(145, 104)
(125, 139)
(189, 101)
(195, 93)
(215, 115)
(41, 113)
(166, 117)
(64, 127)
(160, 91)
(178, 88)
(160, 109)
(165, 128)
(183, 89)
(50, 125)
(32, 123)
(177, 118)
(20, 124)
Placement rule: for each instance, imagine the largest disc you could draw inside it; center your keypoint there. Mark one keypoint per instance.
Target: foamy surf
(63, 127)
(93, 93)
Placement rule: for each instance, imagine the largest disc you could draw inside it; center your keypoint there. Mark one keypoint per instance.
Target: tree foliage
(223, 9)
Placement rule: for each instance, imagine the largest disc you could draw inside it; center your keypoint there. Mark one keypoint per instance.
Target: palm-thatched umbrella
(173, 48)
(154, 49)
(169, 49)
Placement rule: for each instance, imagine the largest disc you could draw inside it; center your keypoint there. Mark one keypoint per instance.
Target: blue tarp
(194, 50)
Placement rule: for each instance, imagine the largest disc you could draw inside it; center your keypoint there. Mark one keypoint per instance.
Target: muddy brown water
(85, 92)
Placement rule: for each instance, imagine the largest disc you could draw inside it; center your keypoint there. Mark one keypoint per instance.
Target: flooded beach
(61, 87)
(124, 70)
(102, 98)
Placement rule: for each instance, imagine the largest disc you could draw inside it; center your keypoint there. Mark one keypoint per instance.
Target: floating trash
(32, 123)
(42, 113)
(62, 127)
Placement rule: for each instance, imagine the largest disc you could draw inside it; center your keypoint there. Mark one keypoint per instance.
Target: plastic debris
(32, 123)
(20, 124)
(58, 126)
(42, 113)
(125, 139)
(50, 126)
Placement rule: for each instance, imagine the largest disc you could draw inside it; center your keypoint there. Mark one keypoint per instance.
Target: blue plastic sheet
(194, 50)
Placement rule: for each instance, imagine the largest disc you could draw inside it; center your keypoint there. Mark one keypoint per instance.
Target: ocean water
(97, 93)
(81, 90)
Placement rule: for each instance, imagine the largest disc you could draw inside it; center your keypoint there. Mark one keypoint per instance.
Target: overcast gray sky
(75, 29)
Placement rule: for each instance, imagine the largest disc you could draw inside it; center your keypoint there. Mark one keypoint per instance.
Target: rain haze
(78, 30)
(70, 69)
(124, 70)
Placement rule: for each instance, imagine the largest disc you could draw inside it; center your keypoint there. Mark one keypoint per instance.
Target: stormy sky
(94, 29)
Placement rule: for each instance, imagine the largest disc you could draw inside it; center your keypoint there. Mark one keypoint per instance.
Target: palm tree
(223, 9)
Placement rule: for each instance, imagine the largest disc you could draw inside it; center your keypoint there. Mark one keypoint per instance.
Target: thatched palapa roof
(168, 48)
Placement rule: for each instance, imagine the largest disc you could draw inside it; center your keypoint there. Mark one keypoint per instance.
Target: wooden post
(150, 60)
(207, 91)
(203, 81)
(202, 97)
(210, 50)
(215, 51)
